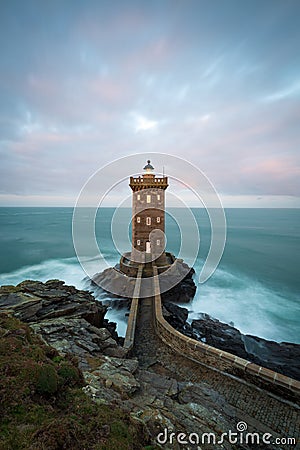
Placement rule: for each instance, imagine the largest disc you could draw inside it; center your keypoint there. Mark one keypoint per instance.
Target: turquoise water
(256, 285)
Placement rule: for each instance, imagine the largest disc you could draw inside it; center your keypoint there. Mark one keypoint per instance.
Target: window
(148, 198)
(138, 219)
(158, 196)
(158, 242)
(158, 219)
(138, 242)
(139, 196)
(148, 221)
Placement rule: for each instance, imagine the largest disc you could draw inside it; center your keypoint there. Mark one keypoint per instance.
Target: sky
(216, 82)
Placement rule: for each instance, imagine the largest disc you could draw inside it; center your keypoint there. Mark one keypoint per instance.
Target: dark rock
(175, 315)
(112, 327)
(115, 373)
(70, 320)
(37, 301)
(50, 293)
(111, 280)
(219, 335)
(177, 318)
(184, 290)
(281, 357)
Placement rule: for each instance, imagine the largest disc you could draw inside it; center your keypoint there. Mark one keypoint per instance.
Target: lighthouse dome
(148, 166)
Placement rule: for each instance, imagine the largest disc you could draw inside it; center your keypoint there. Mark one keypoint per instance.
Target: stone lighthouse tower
(148, 216)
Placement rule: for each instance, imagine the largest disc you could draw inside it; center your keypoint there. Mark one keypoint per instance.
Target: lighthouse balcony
(148, 181)
(130, 267)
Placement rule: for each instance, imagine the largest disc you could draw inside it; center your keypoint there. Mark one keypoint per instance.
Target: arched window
(158, 219)
(148, 221)
(138, 219)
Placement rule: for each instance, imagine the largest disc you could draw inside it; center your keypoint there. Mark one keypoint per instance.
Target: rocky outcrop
(163, 397)
(32, 301)
(112, 281)
(182, 292)
(176, 316)
(281, 357)
(73, 322)
(113, 373)
(68, 319)
(42, 404)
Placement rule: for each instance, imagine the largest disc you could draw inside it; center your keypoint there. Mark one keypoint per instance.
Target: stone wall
(212, 356)
(131, 324)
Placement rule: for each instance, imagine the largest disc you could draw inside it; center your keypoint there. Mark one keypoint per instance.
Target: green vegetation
(42, 405)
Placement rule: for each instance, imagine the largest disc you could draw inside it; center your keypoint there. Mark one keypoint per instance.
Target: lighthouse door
(148, 247)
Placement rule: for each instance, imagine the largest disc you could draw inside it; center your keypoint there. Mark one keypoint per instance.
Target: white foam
(70, 271)
(67, 269)
(118, 316)
(251, 306)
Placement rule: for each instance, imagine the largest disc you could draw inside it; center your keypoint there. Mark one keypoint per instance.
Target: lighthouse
(148, 223)
(148, 216)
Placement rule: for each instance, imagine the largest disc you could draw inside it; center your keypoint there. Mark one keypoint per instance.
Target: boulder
(281, 357)
(112, 280)
(68, 319)
(117, 374)
(220, 335)
(35, 301)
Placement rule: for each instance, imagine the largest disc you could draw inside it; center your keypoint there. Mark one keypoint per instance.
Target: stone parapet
(219, 359)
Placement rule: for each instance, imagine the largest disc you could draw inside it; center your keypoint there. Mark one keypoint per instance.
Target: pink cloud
(275, 167)
(154, 55)
(108, 90)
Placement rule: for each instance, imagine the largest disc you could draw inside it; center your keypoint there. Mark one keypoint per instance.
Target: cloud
(83, 84)
(289, 91)
(144, 124)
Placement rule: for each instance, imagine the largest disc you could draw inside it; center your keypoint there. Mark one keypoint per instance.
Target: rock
(76, 336)
(111, 280)
(112, 327)
(281, 357)
(175, 315)
(35, 301)
(102, 333)
(219, 335)
(108, 383)
(118, 352)
(158, 384)
(99, 392)
(70, 320)
(154, 420)
(117, 374)
(182, 292)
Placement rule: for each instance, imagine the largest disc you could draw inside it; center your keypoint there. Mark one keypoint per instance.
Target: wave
(249, 305)
(67, 269)
(232, 298)
(70, 271)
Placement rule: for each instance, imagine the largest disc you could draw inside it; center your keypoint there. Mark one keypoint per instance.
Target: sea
(255, 287)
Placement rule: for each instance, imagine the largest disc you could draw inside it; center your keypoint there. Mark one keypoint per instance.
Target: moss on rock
(42, 405)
